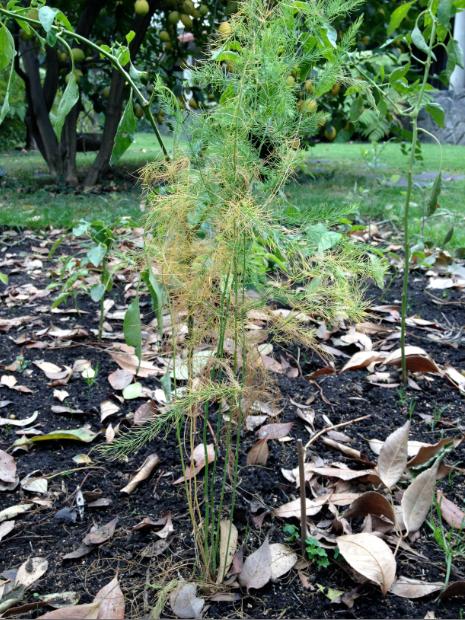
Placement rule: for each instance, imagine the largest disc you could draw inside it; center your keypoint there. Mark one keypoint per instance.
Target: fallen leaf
(5, 528)
(133, 391)
(142, 474)
(417, 499)
(429, 451)
(256, 571)
(414, 588)
(35, 484)
(274, 431)
(228, 546)
(258, 453)
(111, 601)
(61, 395)
(145, 413)
(363, 359)
(393, 456)
(199, 456)
(452, 515)
(15, 422)
(88, 611)
(99, 535)
(453, 590)
(417, 359)
(79, 434)
(184, 601)
(370, 556)
(7, 469)
(282, 560)
(119, 379)
(30, 571)
(107, 408)
(130, 362)
(456, 378)
(14, 511)
(52, 371)
(292, 509)
(371, 503)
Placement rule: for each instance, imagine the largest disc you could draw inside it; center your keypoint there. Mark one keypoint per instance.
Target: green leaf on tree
(47, 16)
(436, 112)
(132, 327)
(419, 40)
(125, 133)
(67, 102)
(445, 12)
(96, 254)
(7, 47)
(398, 16)
(433, 200)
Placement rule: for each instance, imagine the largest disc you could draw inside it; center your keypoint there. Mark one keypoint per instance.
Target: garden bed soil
(341, 397)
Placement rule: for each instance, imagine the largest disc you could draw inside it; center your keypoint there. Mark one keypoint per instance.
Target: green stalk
(408, 196)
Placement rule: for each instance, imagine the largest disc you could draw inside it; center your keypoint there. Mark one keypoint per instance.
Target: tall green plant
(210, 206)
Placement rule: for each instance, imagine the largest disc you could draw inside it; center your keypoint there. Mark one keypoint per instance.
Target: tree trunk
(115, 105)
(69, 135)
(38, 118)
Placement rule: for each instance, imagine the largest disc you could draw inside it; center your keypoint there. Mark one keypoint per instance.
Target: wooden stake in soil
(303, 506)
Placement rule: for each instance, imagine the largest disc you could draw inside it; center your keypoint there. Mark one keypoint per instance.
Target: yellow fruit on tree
(78, 54)
(308, 86)
(203, 10)
(309, 106)
(62, 57)
(173, 17)
(187, 21)
(138, 110)
(141, 7)
(165, 36)
(330, 133)
(225, 29)
(290, 81)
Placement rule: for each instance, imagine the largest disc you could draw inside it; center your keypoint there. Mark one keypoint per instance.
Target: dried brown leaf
(119, 379)
(184, 601)
(111, 601)
(371, 503)
(417, 499)
(414, 588)
(274, 431)
(393, 456)
(99, 535)
(451, 513)
(228, 546)
(282, 560)
(88, 611)
(256, 571)
(370, 556)
(258, 453)
(417, 358)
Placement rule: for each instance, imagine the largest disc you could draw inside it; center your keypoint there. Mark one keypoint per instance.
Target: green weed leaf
(96, 254)
(66, 104)
(433, 200)
(132, 327)
(419, 40)
(437, 113)
(7, 47)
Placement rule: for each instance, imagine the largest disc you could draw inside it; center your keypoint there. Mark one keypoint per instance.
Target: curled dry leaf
(256, 571)
(199, 457)
(184, 601)
(414, 588)
(456, 378)
(107, 408)
(35, 484)
(142, 474)
(363, 359)
(130, 363)
(370, 556)
(371, 503)
(417, 358)
(412, 446)
(25, 422)
(429, 451)
(393, 456)
(30, 571)
(452, 515)
(228, 546)
(282, 560)
(417, 499)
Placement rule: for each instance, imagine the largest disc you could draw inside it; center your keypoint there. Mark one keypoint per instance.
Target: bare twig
(333, 427)
(303, 503)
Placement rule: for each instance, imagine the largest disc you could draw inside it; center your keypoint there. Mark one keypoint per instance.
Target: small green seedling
(315, 552)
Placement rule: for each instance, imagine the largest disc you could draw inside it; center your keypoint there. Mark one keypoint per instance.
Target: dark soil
(340, 397)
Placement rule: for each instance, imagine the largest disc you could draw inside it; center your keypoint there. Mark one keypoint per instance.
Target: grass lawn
(370, 182)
